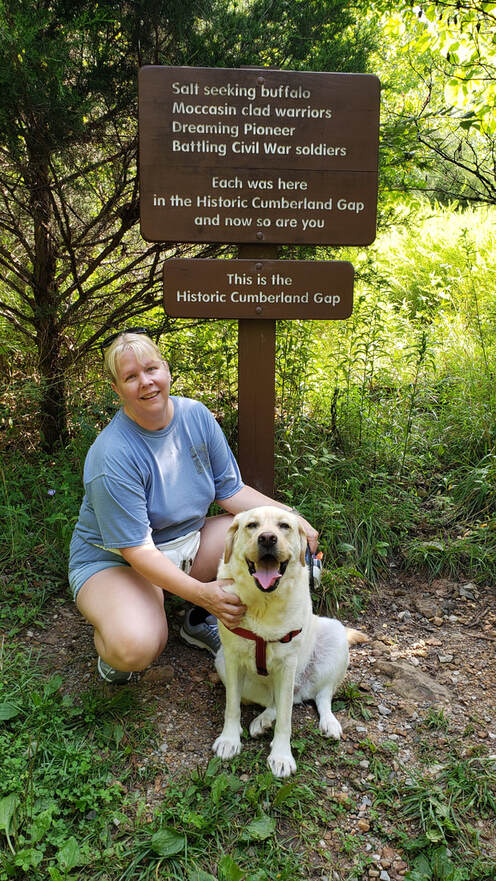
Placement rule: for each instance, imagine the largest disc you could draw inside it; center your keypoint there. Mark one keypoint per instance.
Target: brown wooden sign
(254, 155)
(276, 289)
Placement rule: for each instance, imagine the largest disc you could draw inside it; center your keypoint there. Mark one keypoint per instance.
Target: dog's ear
(231, 534)
(303, 546)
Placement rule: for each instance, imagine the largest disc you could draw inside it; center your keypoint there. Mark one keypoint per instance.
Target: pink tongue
(267, 576)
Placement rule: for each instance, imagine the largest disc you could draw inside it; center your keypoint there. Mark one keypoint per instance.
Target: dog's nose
(267, 540)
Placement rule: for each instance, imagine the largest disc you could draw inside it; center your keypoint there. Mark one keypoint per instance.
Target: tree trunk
(53, 413)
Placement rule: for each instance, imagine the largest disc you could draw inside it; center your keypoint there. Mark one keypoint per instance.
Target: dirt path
(432, 648)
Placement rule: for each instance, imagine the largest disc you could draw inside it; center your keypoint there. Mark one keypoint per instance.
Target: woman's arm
(249, 497)
(155, 567)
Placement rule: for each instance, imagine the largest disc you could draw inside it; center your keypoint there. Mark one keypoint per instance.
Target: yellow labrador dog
(283, 654)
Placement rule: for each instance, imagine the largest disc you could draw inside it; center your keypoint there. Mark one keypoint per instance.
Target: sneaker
(204, 635)
(110, 674)
(314, 563)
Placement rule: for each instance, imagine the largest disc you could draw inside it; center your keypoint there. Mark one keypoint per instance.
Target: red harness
(261, 646)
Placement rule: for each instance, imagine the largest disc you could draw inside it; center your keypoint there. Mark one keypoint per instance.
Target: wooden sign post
(259, 158)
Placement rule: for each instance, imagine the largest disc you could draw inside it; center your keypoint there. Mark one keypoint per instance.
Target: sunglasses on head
(113, 336)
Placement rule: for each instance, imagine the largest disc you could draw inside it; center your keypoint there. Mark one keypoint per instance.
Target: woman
(150, 477)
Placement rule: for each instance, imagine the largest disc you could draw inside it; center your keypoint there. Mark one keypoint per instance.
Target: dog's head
(265, 541)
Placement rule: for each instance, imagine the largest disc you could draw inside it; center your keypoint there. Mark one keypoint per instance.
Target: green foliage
(442, 805)
(39, 503)
(57, 770)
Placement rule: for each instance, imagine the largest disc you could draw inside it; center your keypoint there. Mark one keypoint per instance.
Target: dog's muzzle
(267, 572)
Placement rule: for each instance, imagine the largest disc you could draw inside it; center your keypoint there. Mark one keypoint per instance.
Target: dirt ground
(432, 646)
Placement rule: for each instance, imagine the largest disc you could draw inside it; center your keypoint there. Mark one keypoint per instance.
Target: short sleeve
(225, 470)
(121, 512)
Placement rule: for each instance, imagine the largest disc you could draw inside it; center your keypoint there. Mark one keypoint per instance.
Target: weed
(353, 700)
(436, 720)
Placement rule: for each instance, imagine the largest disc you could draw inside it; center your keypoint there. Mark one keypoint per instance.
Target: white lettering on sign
(226, 183)
(304, 112)
(252, 147)
(304, 204)
(329, 299)
(271, 131)
(344, 205)
(257, 298)
(232, 90)
(221, 202)
(260, 184)
(285, 91)
(205, 109)
(319, 150)
(185, 88)
(254, 110)
(202, 146)
(261, 298)
(205, 128)
(199, 297)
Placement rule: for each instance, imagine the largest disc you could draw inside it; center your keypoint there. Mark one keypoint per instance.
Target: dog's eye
(284, 525)
(252, 525)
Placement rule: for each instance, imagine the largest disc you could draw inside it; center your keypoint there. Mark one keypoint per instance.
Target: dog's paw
(281, 765)
(330, 727)
(262, 723)
(226, 747)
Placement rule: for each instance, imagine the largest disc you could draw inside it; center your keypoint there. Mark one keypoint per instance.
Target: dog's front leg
(228, 744)
(281, 761)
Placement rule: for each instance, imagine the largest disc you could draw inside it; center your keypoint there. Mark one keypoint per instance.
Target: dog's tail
(356, 636)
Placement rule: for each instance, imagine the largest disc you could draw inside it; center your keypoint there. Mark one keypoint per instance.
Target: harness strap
(261, 646)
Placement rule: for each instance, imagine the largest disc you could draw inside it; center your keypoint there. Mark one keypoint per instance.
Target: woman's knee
(132, 647)
(128, 615)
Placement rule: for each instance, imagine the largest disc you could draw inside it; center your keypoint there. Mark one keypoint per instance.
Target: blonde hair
(138, 343)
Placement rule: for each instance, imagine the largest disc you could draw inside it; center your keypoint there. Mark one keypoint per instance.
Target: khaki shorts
(180, 551)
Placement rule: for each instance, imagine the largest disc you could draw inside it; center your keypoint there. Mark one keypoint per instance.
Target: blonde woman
(149, 479)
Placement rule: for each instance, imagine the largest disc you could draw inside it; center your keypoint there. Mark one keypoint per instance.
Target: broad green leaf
(228, 870)
(8, 711)
(219, 786)
(421, 869)
(284, 793)
(40, 826)
(167, 842)
(8, 805)
(442, 866)
(260, 829)
(200, 875)
(28, 858)
(69, 855)
(53, 684)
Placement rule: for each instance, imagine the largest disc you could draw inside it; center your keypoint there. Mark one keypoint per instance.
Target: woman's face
(143, 387)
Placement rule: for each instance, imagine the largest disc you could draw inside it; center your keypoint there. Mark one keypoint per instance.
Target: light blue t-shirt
(143, 486)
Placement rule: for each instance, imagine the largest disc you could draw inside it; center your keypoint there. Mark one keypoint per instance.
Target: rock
(405, 615)
(437, 621)
(383, 710)
(442, 586)
(412, 684)
(159, 674)
(427, 606)
(468, 590)
(363, 825)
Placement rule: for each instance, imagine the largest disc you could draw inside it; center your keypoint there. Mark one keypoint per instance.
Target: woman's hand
(311, 534)
(226, 606)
